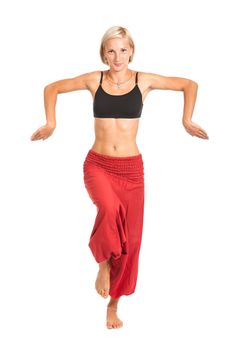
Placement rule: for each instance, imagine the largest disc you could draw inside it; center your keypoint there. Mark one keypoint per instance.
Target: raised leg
(102, 283)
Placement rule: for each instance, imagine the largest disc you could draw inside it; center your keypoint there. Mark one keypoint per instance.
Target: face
(117, 52)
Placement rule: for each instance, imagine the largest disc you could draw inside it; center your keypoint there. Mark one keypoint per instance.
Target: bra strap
(101, 78)
(136, 79)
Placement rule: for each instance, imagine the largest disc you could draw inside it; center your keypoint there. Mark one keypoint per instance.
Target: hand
(43, 132)
(195, 130)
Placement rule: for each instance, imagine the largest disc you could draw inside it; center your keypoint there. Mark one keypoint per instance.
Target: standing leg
(112, 319)
(134, 206)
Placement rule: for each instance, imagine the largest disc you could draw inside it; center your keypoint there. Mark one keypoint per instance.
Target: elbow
(50, 88)
(47, 86)
(190, 84)
(194, 83)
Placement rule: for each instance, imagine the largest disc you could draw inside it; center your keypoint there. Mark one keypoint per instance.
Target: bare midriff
(116, 137)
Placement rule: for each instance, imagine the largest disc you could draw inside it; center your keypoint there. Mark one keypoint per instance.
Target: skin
(117, 137)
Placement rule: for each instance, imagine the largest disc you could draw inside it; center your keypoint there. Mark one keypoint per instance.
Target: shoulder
(93, 77)
(145, 76)
(144, 79)
(87, 80)
(156, 81)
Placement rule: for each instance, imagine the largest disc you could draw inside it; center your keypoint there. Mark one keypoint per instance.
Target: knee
(109, 208)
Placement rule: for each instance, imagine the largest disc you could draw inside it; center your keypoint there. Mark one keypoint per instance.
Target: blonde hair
(116, 32)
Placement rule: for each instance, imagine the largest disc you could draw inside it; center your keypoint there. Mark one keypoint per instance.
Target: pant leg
(128, 264)
(108, 236)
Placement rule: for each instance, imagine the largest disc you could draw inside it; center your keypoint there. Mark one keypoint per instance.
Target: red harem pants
(116, 186)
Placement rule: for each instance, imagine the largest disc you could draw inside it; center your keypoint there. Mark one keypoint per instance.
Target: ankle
(113, 304)
(114, 308)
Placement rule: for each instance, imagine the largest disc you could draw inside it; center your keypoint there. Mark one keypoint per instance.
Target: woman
(113, 168)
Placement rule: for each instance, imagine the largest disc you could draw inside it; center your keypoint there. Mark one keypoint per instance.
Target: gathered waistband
(130, 167)
(91, 151)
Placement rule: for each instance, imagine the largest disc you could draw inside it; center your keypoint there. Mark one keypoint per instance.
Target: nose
(117, 56)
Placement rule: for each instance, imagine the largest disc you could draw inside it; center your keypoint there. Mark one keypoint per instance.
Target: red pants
(116, 186)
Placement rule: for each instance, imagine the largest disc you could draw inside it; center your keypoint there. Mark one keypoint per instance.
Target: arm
(189, 88)
(50, 98)
(61, 86)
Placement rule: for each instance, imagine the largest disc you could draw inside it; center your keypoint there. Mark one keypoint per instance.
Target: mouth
(117, 64)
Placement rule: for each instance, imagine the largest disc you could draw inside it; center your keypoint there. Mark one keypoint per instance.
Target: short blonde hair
(116, 32)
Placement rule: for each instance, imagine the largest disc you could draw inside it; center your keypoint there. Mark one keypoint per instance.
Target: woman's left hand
(195, 130)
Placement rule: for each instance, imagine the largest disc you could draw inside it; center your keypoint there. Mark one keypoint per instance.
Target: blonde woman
(113, 167)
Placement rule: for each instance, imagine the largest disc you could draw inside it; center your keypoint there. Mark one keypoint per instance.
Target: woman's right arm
(50, 98)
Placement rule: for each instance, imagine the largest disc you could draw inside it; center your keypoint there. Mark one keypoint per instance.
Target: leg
(116, 236)
(112, 319)
(108, 236)
(128, 263)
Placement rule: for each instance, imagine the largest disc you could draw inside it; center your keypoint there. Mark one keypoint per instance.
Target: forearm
(190, 95)
(50, 99)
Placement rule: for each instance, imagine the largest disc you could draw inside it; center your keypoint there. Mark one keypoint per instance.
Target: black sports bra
(128, 105)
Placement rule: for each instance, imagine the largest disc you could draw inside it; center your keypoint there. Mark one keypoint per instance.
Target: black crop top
(128, 105)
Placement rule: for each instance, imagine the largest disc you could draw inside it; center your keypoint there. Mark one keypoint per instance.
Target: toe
(119, 324)
(104, 293)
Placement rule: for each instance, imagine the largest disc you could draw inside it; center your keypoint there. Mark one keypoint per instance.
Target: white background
(183, 298)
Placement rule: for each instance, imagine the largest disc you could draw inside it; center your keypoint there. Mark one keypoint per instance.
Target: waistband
(129, 167)
(106, 156)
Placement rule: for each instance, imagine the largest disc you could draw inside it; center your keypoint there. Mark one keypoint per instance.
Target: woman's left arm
(189, 88)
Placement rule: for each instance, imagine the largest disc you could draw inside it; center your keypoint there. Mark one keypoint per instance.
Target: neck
(119, 76)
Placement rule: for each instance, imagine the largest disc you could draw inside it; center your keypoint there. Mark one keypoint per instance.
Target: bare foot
(112, 319)
(102, 283)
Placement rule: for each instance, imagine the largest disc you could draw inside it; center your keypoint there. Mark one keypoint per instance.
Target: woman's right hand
(43, 132)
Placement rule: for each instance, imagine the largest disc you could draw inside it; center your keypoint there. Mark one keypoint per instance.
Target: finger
(199, 133)
(203, 136)
(203, 133)
(39, 137)
(36, 133)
